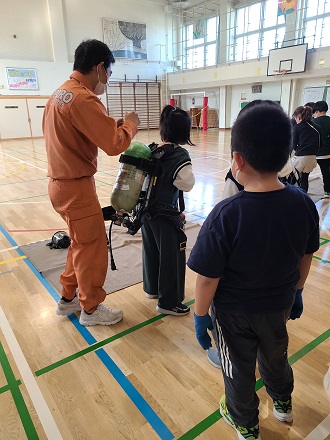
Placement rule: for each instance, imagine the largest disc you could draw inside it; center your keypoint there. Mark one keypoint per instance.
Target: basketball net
(280, 72)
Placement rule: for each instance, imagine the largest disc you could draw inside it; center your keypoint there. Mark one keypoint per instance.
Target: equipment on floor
(60, 240)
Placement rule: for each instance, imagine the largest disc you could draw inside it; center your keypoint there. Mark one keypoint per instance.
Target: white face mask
(237, 172)
(100, 88)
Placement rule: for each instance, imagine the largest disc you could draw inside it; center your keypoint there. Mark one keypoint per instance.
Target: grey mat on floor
(127, 252)
(315, 187)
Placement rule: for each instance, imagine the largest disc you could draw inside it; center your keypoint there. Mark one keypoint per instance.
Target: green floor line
(23, 198)
(23, 412)
(214, 417)
(100, 344)
(6, 387)
(324, 241)
(321, 259)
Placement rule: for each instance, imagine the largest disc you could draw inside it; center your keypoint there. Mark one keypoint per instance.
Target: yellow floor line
(13, 259)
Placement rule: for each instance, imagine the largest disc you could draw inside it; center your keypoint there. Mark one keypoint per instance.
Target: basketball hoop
(280, 72)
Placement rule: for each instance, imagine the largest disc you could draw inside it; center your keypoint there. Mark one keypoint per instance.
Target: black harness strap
(141, 164)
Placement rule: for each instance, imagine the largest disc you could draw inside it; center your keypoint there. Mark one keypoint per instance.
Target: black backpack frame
(147, 206)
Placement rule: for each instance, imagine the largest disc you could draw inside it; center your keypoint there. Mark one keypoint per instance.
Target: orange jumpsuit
(75, 125)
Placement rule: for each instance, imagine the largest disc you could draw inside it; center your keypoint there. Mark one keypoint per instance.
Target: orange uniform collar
(81, 78)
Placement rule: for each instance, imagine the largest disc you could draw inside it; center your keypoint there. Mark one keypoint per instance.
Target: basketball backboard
(289, 59)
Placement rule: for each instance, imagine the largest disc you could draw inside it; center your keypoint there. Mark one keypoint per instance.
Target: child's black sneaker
(243, 433)
(179, 310)
(283, 410)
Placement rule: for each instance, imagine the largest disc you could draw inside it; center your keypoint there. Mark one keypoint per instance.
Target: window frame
(315, 18)
(234, 36)
(204, 44)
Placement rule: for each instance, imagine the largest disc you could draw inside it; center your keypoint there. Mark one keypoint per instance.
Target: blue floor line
(141, 404)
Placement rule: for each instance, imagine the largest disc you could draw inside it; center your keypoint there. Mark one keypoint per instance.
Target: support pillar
(204, 113)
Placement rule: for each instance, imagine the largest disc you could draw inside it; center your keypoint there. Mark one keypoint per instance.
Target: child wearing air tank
(163, 237)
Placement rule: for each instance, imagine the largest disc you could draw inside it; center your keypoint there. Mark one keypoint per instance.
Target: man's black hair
(320, 106)
(91, 53)
(310, 104)
(175, 125)
(262, 135)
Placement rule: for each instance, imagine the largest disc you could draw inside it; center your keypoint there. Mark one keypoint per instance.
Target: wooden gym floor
(146, 377)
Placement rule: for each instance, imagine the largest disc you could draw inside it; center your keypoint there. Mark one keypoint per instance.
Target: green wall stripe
(214, 417)
(23, 412)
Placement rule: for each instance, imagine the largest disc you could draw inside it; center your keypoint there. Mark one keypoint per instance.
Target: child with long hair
(306, 140)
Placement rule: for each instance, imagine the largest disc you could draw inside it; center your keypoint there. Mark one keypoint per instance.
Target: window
(316, 23)
(201, 43)
(254, 30)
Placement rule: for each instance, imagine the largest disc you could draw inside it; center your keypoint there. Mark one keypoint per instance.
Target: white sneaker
(151, 296)
(213, 356)
(66, 308)
(103, 315)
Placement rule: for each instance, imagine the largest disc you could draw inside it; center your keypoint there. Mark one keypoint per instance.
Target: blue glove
(298, 306)
(202, 323)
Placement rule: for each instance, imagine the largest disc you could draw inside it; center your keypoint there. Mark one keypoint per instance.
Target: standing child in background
(323, 154)
(164, 242)
(250, 262)
(306, 141)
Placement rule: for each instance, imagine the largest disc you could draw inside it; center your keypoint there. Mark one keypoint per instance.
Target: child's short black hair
(175, 125)
(262, 135)
(320, 106)
(91, 53)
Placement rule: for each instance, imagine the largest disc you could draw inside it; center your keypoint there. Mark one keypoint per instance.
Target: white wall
(238, 78)
(71, 21)
(270, 91)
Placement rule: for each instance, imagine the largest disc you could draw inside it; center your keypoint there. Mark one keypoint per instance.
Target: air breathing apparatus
(134, 193)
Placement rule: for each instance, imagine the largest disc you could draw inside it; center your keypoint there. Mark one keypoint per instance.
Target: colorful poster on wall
(125, 39)
(22, 79)
(286, 7)
(199, 29)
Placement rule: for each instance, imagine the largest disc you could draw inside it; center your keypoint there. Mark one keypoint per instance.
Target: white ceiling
(185, 4)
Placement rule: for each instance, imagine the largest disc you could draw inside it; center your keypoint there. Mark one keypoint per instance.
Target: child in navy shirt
(249, 262)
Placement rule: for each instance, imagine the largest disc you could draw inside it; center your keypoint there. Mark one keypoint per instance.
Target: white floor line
(8, 249)
(24, 203)
(40, 405)
(23, 161)
(321, 432)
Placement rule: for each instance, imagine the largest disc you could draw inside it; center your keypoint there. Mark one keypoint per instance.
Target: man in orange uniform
(75, 125)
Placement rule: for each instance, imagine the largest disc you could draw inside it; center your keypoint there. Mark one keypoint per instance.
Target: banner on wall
(199, 29)
(125, 39)
(22, 79)
(286, 7)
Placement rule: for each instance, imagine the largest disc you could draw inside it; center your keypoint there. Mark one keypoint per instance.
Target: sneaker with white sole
(243, 433)
(65, 308)
(213, 356)
(102, 315)
(151, 296)
(283, 410)
(179, 310)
